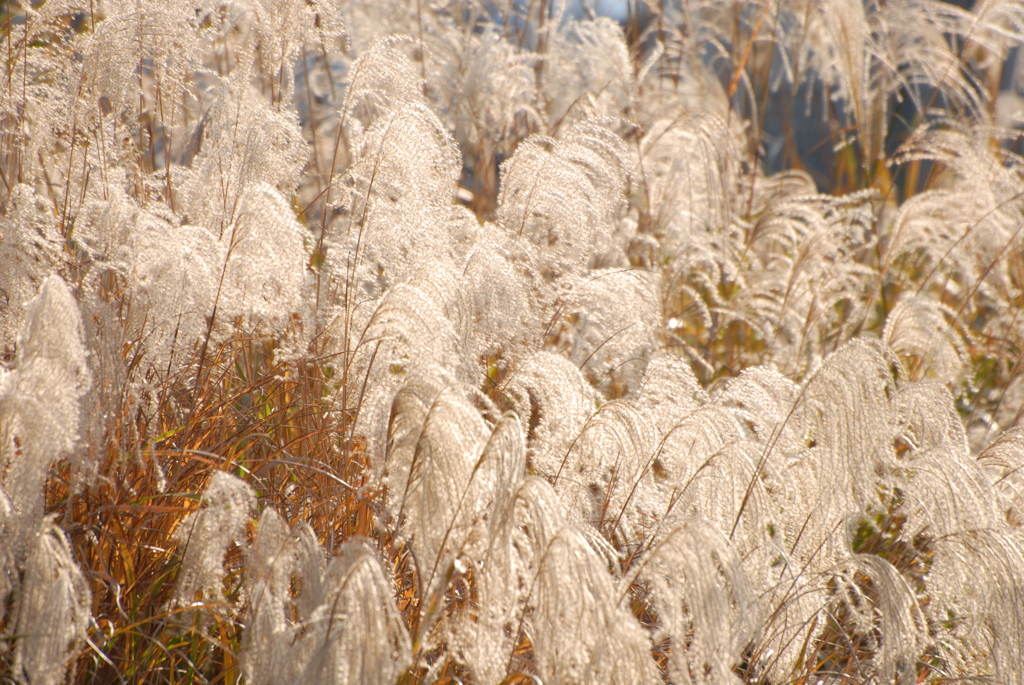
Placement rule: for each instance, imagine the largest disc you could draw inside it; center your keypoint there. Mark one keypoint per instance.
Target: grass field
(510, 342)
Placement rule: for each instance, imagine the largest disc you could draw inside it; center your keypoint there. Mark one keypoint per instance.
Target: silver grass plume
(779, 187)
(40, 405)
(703, 601)
(963, 248)
(801, 270)
(104, 224)
(762, 399)
(1003, 461)
(356, 636)
(560, 197)
(397, 195)
(849, 426)
(435, 487)
(506, 317)
(610, 327)
(388, 298)
(265, 275)
(52, 607)
(284, 29)
(606, 477)
(8, 562)
(946, 491)
(920, 329)
(420, 327)
(553, 401)
(669, 391)
(493, 95)
(930, 227)
(926, 418)
(690, 185)
(974, 584)
(500, 572)
(843, 459)
(31, 249)
(688, 444)
(36, 114)
(583, 632)
(397, 191)
(886, 612)
(382, 80)
(976, 594)
(269, 569)
(174, 281)
(1007, 415)
(580, 627)
(279, 558)
(586, 58)
(204, 537)
(743, 495)
(240, 142)
(167, 35)
(185, 284)
(687, 206)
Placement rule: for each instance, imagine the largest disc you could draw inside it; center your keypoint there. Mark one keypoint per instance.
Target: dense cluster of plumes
(626, 380)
